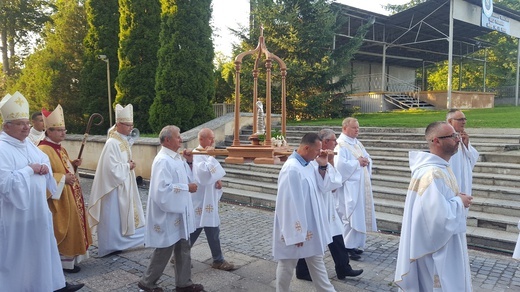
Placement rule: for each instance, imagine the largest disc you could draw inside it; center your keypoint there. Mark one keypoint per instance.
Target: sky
(231, 13)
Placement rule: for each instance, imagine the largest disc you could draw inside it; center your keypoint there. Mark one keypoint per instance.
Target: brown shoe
(146, 289)
(224, 266)
(191, 288)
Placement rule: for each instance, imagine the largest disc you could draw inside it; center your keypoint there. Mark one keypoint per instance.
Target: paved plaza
(246, 241)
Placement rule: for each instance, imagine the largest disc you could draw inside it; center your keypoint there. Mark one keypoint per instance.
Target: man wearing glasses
(462, 162)
(433, 252)
(71, 228)
(115, 208)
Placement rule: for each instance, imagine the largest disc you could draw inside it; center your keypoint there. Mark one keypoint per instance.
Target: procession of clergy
(324, 199)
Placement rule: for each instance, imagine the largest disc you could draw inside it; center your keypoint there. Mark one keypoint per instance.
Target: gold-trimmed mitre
(14, 107)
(124, 114)
(53, 119)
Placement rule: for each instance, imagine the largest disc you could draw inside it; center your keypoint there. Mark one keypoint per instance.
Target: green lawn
(498, 117)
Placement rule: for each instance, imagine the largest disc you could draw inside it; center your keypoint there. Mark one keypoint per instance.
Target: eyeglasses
(26, 124)
(58, 130)
(461, 119)
(128, 125)
(453, 136)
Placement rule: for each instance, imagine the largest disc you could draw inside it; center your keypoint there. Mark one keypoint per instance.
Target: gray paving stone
(246, 241)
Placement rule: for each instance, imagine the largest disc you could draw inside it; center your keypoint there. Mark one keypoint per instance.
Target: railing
(221, 109)
(374, 83)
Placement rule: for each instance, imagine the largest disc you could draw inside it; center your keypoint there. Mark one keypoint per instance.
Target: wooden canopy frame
(264, 154)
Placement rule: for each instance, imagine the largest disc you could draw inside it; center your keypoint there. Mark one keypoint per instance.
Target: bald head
(206, 137)
(442, 139)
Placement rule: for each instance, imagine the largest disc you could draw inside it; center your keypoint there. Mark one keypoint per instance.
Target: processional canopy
(266, 153)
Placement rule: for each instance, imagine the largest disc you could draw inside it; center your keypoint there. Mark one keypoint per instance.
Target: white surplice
(300, 214)
(115, 208)
(29, 257)
(206, 172)
(433, 254)
(36, 136)
(330, 199)
(170, 215)
(516, 253)
(462, 164)
(355, 198)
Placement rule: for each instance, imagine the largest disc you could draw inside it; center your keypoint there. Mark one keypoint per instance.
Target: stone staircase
(493, 216)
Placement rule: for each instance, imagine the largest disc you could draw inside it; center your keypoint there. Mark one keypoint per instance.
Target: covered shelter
(431, 32)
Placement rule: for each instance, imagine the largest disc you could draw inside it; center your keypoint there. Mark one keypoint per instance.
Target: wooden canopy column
(237, 153)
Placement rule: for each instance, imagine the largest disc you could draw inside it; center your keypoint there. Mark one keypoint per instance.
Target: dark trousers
(213, 237)
(339, 255)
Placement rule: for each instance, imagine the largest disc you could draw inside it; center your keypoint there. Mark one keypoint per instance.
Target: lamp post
(104, 58)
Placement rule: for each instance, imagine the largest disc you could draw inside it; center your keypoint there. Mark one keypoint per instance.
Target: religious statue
(260, 118)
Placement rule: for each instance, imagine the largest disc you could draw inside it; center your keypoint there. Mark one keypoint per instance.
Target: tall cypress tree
(185, 78)
(138, 45)
(102, 39)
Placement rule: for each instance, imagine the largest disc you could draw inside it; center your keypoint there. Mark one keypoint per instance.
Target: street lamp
(104, 58)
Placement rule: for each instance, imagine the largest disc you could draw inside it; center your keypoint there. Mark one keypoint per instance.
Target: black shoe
(355, 257)
(350, 273)
(70, 287)
(357, 251)
(75, 270)
(304, 277)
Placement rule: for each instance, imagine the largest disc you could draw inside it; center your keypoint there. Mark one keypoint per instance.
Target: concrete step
(387, 152)
(250, 185)
(418, 145)
(258, 177)
(500, 157)
(496, 222)
(501, 168)
(475, 138)
(262, 168)
(491, 179)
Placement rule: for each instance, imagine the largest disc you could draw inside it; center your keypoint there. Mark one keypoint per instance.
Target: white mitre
(124, 114)
(54, 119)
(14, 107)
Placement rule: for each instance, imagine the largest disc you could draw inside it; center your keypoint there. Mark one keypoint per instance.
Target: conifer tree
(185, 78)
(102, 39)
(138, 44)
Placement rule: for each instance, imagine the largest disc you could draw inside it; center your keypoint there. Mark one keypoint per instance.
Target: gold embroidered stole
(124, 146)
(357, 152)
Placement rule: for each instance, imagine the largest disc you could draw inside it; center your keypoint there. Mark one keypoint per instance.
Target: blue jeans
(213, 236)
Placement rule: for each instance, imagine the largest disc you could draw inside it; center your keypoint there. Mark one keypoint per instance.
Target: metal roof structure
(416, 35)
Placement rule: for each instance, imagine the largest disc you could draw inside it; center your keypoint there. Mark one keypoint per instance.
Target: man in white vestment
(37, 132)
(337, 248)
(355, 199)
(170, 214)
(516, 253)
(29, 258)
(462, 162)
(115, 208)
(301, 228)
(433, 253)
(207, 172)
